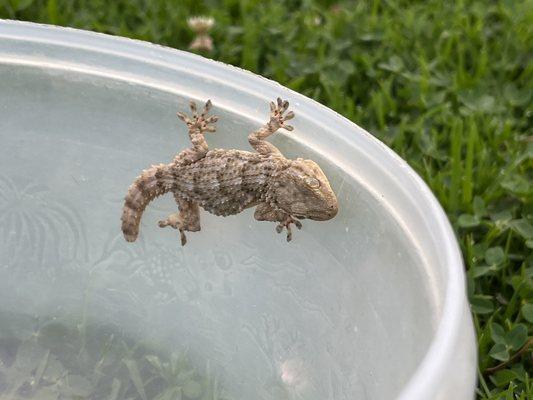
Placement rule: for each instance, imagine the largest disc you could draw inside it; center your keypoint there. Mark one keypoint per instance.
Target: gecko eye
(312, 182)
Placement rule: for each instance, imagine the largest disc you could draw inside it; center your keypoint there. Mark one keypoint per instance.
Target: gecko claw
(199, 122)
(276, 114)
(287, 225)
(192, 105)
(174, 221)
(183, 117)
(289, 234)
(183, 238)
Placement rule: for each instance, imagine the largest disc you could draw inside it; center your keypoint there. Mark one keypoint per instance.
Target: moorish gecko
(225, 182)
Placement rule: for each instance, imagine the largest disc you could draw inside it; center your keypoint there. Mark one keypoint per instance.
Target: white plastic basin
(369, 305)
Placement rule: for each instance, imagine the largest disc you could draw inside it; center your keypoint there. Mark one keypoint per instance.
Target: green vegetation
(60, 360)
(448, 85)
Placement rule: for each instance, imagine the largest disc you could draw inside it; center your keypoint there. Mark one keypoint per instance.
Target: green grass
(448, 87)
(50, 359)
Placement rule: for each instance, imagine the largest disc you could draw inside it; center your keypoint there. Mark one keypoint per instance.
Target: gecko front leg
(277, 120)
(187, 219)
(198, 125)
(265, 212)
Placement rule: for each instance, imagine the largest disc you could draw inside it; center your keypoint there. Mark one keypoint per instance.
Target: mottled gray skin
(225, 182)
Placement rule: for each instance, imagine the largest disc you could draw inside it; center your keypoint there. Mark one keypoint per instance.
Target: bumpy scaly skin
(225, 182)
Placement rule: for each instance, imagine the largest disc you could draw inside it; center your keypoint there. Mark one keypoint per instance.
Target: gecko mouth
(323, 215)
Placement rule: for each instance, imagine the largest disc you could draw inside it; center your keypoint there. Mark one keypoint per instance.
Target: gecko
(227, 181)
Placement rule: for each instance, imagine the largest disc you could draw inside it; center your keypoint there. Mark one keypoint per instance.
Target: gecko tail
(153, 182)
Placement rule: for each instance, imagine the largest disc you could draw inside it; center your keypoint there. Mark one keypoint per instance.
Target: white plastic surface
(370, 305)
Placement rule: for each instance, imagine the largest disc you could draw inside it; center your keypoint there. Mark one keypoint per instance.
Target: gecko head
(303, 191)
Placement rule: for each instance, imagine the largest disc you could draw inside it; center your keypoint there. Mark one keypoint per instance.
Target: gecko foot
(276, 114)
(287, 224)
(175, 221)
(202, 122)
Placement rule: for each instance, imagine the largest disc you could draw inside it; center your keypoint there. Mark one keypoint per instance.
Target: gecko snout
(325, 214)
(331, 211)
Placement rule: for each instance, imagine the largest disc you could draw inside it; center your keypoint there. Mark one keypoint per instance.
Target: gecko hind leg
(187, 219)
(277, 121)
(197, 125)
